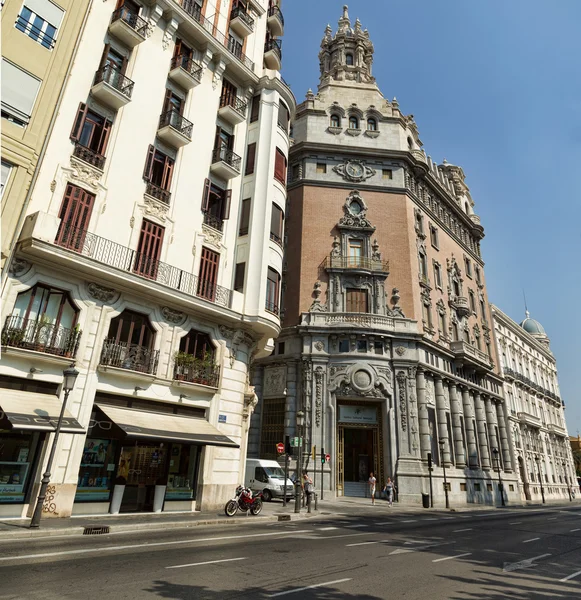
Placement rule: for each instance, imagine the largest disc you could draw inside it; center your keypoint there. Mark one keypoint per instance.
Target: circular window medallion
(362, 379)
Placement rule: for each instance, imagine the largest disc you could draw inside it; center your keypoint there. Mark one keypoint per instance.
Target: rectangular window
(272, 432)
(91, 132)
(272, 291)
(434, 237)
(19, 91)
(426, 315)
(250, 159)
(476, 487)
(386, 174)
(18, 456)
(378, 347)
(75, 215)
(472, 301)
(158, 171)
(321, 168)
(462, 487)
(438, 275)
(344, 346)
(483, 309)
(6, 169)
(216, 205)
(239, 277)
(356, 300)
(244, 217)
(361, 345)
(149, 249)
(280, 166)
(283, 116)
(442, 323)
(255, 109)
(40, 21)
(229, 94)
(478, 274)
(208, 274)
(468, 267)
(276, 224)
(280, 347)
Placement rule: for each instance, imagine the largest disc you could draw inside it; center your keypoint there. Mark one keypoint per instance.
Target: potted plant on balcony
(41, 334)
(207, 368)
(183, 363)
(12, 336)
(72, 340)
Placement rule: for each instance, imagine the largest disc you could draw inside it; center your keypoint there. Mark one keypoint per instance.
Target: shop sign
(364, 415)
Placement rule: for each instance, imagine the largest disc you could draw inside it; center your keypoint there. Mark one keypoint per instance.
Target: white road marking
(308, 587)
(523, 564)
(531, 540)
(209, 562)
(448, 518)
(327, 528)
(572, 576)
(452, 557)
(516, 523)
(572, 530)
(153, 545)
(410, 521)
(336, 537)
(459, 530)
(402, 551)
(363, 544)
(432, 519)
(356, 526)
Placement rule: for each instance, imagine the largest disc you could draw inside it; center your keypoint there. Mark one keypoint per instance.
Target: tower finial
(345, 11)
(527, 313)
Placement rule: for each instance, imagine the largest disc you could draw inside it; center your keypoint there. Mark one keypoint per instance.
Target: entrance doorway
(143, 466)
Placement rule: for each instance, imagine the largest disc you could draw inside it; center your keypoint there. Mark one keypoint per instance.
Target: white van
(267, 476)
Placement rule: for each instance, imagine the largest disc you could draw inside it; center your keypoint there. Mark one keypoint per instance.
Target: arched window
(131, 328)
(371, 124)
(353, 123)
(349, 59)
(197, 344)
(335, 121)
(195, 361)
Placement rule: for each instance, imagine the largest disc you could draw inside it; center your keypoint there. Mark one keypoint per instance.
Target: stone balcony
(528, 419)
(468, 355)
(557, 430)
(461, 305)
(380, 323)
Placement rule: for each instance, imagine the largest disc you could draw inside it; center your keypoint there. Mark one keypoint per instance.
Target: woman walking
(372, 481)
(389, 490)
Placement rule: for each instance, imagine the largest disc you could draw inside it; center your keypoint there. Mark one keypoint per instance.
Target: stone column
(504, 444)
(480, 426)
(423, 414)
(442, 426)
(491, 421)
(469, 426)
(457, 426)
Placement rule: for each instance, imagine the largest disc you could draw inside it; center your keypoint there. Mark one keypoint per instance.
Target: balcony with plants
(130, 357)
(190, 369)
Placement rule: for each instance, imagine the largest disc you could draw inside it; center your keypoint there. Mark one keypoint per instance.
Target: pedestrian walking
(372, 481)
(307, 486)
(389, 490)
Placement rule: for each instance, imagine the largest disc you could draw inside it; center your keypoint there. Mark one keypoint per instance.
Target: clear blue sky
(495, 87)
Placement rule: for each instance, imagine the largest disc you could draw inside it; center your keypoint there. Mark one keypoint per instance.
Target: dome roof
(531, 326)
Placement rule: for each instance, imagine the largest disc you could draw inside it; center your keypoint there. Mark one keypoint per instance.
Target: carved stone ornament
(173, 316)
(211, 236)
(355, 210)
(85, 173)
(154, 208)
(318, 395)
(19, 267)
(401, 380)
(317, 305)
(319, 346)
(101, 293)
(400, 350)
(274, 382)
(354, 171)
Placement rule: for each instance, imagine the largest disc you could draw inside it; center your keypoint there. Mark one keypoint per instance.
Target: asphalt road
(375, 553)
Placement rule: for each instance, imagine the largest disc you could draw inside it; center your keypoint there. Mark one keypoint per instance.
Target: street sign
(295, 443)
(327, 458)
(280, 448)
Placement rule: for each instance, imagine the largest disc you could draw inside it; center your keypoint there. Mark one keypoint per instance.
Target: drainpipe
(12, 249)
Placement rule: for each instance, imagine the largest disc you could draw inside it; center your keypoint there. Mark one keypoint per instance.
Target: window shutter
(105, 137)
(124, 65)
(177, 51)
(149, 249)
(280, 166)
(250, 159)
(79, 122)
(167, 173)
(147, 171)
(226, 205)
(104, 56)
(244, 217)
(206, 196)
(255, 110)
(166, 101)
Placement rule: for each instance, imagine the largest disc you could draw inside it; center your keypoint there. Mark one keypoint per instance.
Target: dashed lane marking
(367, 543)
(516, 523)
(209, 562)
(308, 587)
(410, 521)
(356, 526)
(459, 530)
(572, 530)
(572, 576)
(327, 528)
(451, 557)
(531, 540)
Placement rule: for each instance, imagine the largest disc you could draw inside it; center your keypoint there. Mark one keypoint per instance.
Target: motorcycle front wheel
(231, 508)
(256, 507)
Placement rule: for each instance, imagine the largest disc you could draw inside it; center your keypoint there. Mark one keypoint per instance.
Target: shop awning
(177, 428)
(34, 411)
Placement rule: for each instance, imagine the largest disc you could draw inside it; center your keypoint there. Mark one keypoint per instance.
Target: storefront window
(183, 464)
(97, 471)
(17, 454)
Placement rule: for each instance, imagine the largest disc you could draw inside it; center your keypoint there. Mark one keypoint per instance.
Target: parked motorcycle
(244, 501)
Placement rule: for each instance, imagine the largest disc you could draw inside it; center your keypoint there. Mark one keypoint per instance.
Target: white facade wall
(238, 332)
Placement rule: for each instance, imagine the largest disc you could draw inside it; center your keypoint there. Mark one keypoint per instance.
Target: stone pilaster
(469, 425)
(492, 423)
(504, 443)
(457, 426)
(423, 414)
(442, 425)
(481, 427)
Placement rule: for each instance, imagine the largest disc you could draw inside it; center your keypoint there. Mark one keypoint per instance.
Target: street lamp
(567, 481)
(540, 478)
(500, 485)
(442, 444)
(70, 377)
(300, 422)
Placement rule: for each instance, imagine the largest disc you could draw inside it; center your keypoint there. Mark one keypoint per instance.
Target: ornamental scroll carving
(402, 396)
(173, 316)
(19, 267)
(101, 293)
(318, 395)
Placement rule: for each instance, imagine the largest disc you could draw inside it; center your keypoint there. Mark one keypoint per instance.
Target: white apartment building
(150, 256)
(540, 445)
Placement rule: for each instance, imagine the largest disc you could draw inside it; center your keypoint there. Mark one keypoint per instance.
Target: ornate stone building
(386, 342)
(540, 447)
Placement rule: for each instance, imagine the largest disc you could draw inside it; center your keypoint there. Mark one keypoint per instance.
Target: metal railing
(19, 332)
(125, 259)
(113, 77)
(89, 156)
(461, 347)
(239, 12)
(198, 373)
(530, 383)
(194, 10)
(157, 192)
(274, 45)
(276, 238)
(356, 262)
(275, 11)
(173, 118)
(236, 103)
(224, 154)
(132, 357)
(213, 221)
(189, 65)
(132, 19)
(272, 307)
(40, 36)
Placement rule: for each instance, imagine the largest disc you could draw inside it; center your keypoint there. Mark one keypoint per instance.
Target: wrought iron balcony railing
(180, 123)
(194, 10)
(356, 262)
(274, 45)
(272, 307)
(125, 259)
(224, 154)
(213, 221)
(198, 373)
(134, 21)
(40, 336)
(275, 11)
(157, 192)
(115, 79)
(89, 156)
(276, 238)
(189, 65)
(236, 103)
(239, 12)
(129, 356)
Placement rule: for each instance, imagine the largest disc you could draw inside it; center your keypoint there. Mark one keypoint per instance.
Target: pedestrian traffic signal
(322, 455)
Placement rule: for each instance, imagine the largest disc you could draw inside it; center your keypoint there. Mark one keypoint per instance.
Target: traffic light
(429, 460)
(322, 455)
(287, 446)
